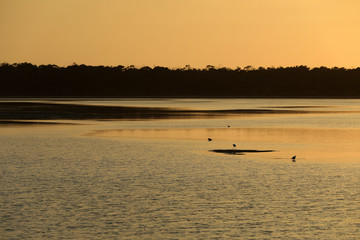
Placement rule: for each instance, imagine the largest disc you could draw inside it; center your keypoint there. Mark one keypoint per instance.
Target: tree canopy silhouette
(28, 80)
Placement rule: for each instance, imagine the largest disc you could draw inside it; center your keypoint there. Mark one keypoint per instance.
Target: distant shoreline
(10, 111)
(81, 81)
(2, 98)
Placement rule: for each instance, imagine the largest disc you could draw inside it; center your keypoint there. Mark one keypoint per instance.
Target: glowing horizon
(176, 33)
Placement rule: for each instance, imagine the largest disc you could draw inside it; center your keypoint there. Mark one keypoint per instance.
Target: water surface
(157, 179)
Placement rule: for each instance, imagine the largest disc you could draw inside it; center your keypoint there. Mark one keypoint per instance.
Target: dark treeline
(28, 80)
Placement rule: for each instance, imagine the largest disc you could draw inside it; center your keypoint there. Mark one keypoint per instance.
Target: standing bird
(234, 146)
(209, 139)
(293, 158)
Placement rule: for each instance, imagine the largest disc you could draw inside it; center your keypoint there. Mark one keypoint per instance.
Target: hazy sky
(175, 33)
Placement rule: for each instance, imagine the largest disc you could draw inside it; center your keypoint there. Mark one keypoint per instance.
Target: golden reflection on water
(326, 144)
(262, 134)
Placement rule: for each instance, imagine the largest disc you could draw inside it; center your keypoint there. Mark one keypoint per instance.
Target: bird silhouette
(234, 146)
(209, 139)
(293, 158)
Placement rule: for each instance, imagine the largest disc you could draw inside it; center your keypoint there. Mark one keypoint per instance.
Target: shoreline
(20, 110)
(26, 97)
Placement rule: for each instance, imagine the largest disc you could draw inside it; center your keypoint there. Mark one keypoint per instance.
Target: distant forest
(28, 80)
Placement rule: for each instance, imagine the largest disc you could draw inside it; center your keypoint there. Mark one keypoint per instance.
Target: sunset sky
(174, 33)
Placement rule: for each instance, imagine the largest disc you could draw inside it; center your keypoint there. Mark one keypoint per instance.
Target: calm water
(158, 180)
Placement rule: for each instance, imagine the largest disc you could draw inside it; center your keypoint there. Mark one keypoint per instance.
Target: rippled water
(157, 179)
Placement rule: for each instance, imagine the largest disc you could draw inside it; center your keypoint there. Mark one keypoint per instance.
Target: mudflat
(58, 111)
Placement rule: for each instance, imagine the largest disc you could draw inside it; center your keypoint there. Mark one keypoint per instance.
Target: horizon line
(185, 67)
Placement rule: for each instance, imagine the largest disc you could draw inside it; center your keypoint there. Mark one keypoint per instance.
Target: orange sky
(175, 33)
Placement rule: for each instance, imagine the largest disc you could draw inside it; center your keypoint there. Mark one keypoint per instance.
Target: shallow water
(158, 180)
